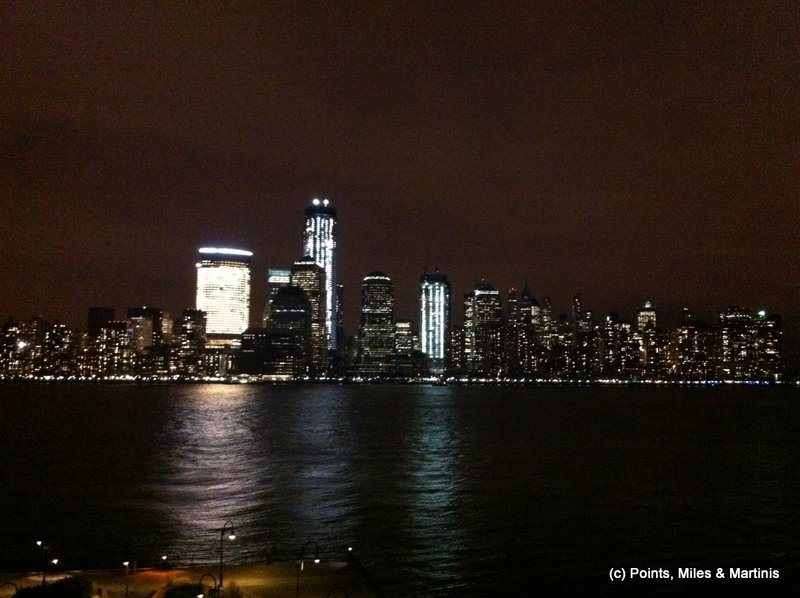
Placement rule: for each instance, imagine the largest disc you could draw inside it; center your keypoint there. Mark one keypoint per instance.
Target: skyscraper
(223, 293)
(435, 319)
(483, 331)
(309, 276)
(276, 280)
(376, 333)
(319, 242)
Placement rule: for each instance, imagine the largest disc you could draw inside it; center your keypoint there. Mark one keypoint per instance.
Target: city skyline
(624, 153)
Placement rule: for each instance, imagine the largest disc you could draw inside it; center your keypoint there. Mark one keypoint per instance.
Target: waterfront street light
(214, 589)
(231, 536)
(44, 548)
(127, 570)
(300, 565)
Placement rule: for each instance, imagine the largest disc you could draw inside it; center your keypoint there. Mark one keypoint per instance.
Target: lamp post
(43, 547)
(231, 536)
(301, 561)
(127, 570)
(214, 589)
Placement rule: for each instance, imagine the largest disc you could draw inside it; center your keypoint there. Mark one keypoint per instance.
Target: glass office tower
(319, 242)
(223, 293)
(434, 319)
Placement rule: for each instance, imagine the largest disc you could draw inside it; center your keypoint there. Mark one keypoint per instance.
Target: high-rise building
(376, 332)
(520, 332)
(435, 319)
(483, 331)
(223, 293)
(319, 242)
(276, 280)
(146, 327)
(308, 275)
(646, 317)
(282, 350)
(191, 340)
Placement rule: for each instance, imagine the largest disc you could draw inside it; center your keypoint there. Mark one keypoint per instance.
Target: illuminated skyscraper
(483, 331)
(376, 333)
(435, 319)
(276, 280)
(319, 242)
(309, 276)
(223, 293)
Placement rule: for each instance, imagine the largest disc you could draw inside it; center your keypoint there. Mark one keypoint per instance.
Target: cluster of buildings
(300, 334)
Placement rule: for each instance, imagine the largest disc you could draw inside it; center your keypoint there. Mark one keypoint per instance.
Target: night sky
(623, 151)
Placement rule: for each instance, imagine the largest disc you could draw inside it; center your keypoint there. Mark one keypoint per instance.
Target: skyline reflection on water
(442, 490)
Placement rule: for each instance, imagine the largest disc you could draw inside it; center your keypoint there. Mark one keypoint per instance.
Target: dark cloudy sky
(622, 150)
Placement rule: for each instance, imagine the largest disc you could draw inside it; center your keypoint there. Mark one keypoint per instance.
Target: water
(443, 491)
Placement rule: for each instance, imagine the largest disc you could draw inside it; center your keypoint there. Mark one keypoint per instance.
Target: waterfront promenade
(286, 579)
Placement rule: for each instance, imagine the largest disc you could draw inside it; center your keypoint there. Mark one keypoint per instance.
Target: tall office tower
(276, 280)
(577, 313)
(340, 313)
(223, 293)
(483, 331)
(376, 332)
(520, 333)
(768, 346)
(167, 328)
(434, 319)
(513, 321)
(283, 349)
(190, 342)
(646, 317)
(146, 326)
(308, 275)
(649, 339)
(319, 241)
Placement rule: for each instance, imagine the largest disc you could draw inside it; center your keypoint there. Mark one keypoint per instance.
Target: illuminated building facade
(223, 293)
(309, 276)
(187, 354)
(520, 333)
(435, 319)
(483, 331)
(276, 279)
(319, 242)
(377, 331)
(146, 325)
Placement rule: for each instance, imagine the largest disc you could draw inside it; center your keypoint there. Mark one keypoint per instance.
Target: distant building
(146, 325)
(376, 348)
(435, 319)
(521, 333)
(309, 276)
(276, 279)
(282, 349)
(146, 329)
(319, 242)
(646, 317)
(223, 293)
(190, 343)
(483, 331)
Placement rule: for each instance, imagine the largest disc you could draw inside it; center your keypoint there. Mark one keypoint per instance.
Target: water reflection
(215, 463)
(275, 460)
(437, 483)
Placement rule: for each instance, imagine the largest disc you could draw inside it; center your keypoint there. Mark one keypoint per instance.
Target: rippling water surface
(457, 491)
